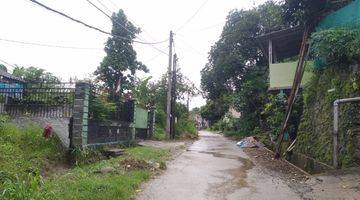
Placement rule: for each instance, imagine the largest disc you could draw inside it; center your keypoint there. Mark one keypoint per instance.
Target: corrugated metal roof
(10, 76)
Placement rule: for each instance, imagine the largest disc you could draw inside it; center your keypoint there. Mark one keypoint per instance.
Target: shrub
(185, 128)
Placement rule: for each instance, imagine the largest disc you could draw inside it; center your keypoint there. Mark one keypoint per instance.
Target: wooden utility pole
(295, 87)
(168, 99)
(173, 98)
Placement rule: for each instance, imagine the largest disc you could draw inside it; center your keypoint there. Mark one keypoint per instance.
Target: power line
(103, 5)
(48, 45)
(107, 15)
(192, 17)
(11, 65)
(114, 4)
(189, 46)
(153, 58)
(116, 7)
(151, 44)
(99, 9)
(85, 24)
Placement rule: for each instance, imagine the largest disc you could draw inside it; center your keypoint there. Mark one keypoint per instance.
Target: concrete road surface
(214, 168)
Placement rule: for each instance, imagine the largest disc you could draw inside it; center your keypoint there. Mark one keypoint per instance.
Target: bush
(159, 133)
(336, 47)
(185, 128)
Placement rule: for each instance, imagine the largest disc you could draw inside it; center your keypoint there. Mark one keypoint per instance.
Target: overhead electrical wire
(124, 27)
(192, 17)
(189, 46)
(103, 5)
(87, 25)
(116, 7)
(48, 45)
(113, 3)
(107, 15)
(11, 65)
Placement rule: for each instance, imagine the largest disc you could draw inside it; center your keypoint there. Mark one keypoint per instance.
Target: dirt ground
(337, 184)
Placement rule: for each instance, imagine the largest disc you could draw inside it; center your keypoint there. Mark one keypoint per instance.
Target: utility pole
(173, 97)
(168, 99)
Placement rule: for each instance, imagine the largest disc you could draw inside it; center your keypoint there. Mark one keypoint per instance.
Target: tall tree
(120, 64)
(236, 67)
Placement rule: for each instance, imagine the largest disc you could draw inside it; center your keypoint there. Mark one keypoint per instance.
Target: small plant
(27, 187)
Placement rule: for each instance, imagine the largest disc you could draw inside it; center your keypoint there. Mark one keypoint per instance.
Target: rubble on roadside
(249, 142)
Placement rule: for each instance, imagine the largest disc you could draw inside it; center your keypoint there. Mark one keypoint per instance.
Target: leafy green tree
(214, 110)
(237, 68)
(154, 93)
(120, 63)
(298, 12)
(35, 75)
(148, 94)
(3, 67)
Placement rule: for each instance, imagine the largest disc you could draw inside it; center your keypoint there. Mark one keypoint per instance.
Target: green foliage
(23, 154)
(3, 67)
(34, 74)
(159, 133)
(214, 110)
(250, 100)
(298, 12)
(238, 70)
(154, 94)
(274, 112)
(185, 128)
(236, 53)
(337, 47)
(27, 187)
(314, 135)
(100, 108)
(120, 63)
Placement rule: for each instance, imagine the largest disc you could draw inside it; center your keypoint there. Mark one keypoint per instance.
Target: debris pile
(134, 164)
(249, 142)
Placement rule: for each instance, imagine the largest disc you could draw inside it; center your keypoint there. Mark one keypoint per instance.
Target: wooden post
(270, 52)
(169, 84)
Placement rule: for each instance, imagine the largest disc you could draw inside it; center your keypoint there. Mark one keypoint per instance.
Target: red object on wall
(48, 131)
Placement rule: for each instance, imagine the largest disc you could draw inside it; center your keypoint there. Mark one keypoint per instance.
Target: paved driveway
(214, 168)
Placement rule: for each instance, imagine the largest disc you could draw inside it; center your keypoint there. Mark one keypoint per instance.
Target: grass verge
(120, 182)
(26, 157)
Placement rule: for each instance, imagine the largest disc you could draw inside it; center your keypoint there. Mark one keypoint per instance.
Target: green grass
(25, 150)
(84, 183)
(25, 155)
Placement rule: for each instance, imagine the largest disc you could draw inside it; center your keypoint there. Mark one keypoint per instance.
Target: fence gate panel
(141, 118)
(53, 100)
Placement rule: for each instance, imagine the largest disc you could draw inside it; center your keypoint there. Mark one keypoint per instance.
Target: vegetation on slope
(32, 167)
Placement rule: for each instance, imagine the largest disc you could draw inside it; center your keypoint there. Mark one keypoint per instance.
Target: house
(6, 77)
(282, 47)
(10, 86)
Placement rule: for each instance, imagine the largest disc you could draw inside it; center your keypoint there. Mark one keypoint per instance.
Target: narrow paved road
(214, 168)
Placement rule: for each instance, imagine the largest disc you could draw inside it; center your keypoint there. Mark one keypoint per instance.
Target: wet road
(214, 168)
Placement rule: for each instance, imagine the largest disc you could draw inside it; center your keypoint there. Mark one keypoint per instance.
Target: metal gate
(37, 99)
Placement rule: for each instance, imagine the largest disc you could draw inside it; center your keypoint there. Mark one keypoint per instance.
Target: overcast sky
(24, 21)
